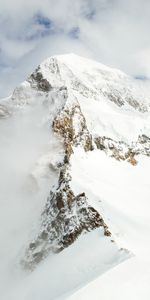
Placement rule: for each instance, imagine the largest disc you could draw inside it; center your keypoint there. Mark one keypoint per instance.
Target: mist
(27, 147)
(114, 32)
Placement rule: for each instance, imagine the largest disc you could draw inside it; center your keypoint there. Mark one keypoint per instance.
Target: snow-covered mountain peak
(72, 127)
(89, 106)
(94, 80)
(79, 63)
(110, 100)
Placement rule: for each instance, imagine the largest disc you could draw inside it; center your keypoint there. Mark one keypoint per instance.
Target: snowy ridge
(66, 215)
(75, 118)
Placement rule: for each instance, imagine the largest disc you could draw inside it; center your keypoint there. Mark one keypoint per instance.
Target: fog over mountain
(112, 32)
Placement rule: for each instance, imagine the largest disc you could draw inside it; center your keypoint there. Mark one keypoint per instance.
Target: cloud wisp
(113, 32)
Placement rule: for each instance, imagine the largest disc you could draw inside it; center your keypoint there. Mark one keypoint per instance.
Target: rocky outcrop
(71, 125)
(64, 218)
(66, 215)
(39, 82)
(120, 98)
(123, 151)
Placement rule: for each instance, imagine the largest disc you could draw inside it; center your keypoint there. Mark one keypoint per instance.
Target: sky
(113, 32)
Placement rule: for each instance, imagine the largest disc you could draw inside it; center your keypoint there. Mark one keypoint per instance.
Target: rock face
(123, 151)
(37, 81)
(66, 215)
(57, 81)
(64, 218)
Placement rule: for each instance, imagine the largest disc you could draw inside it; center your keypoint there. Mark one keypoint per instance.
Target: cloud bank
(114, 32)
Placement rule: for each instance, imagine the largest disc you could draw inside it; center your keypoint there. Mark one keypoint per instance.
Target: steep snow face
(95, 81)
(125, 200)
(70, 128)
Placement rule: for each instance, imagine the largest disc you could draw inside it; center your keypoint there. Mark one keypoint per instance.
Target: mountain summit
(74, 134)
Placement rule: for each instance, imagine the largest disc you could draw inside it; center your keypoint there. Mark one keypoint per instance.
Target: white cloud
(112, 31)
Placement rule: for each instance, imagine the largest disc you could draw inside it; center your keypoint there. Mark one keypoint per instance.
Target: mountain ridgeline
(92, 108)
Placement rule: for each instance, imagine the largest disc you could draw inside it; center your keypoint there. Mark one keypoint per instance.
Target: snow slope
(126, 203)
(100, 103)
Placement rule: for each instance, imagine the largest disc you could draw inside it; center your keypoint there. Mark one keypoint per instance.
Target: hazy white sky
(114, 32)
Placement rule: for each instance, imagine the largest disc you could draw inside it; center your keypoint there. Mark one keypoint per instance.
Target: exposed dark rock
(37, 81)
(64, 218)
(143, 139)
(116, 98)
(62, 88)
(123, 151)
(99, 143)
(64, 126)
(120, 98)
(66, 215)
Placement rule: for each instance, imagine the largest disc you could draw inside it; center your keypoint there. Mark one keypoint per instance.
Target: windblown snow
(74, 184)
